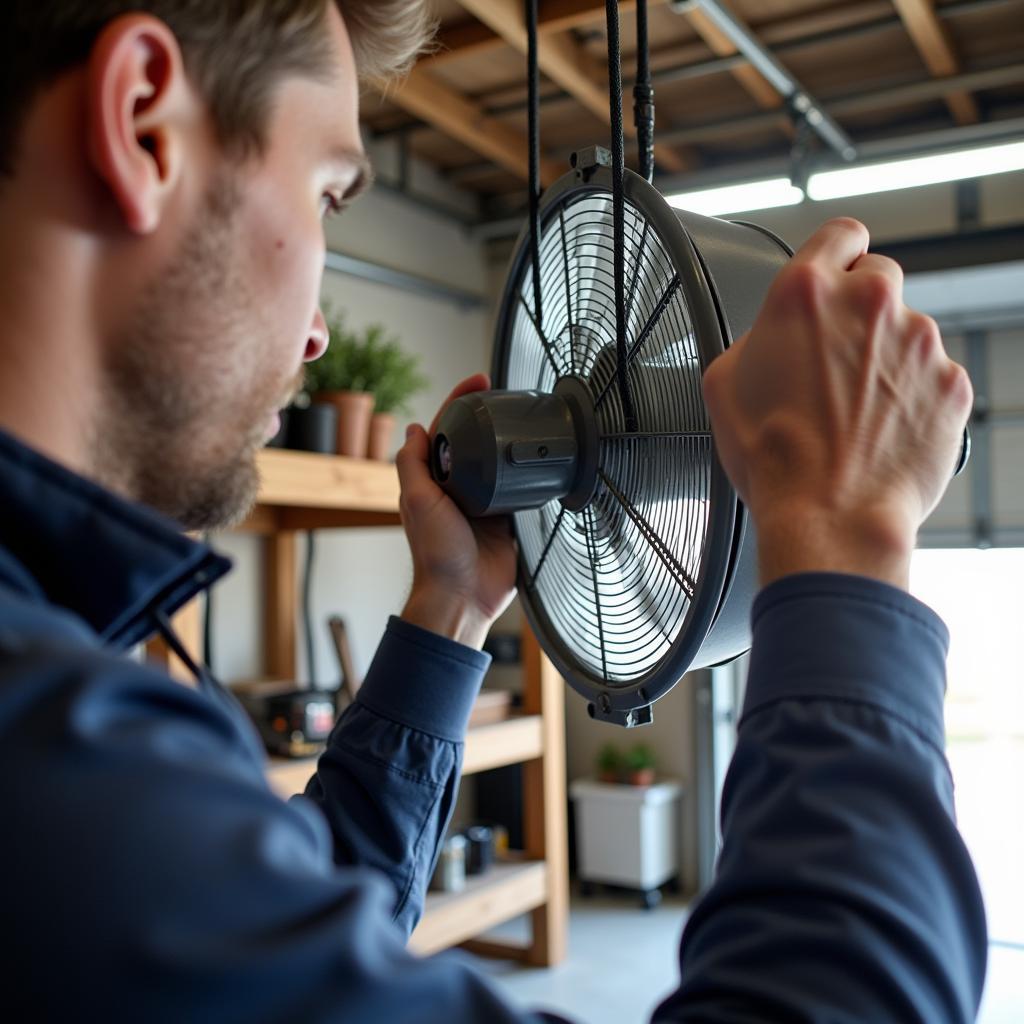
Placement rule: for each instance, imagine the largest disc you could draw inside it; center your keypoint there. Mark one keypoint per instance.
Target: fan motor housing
(502, 452)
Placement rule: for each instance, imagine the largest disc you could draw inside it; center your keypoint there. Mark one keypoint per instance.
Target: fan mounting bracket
(628, 718)
(588, 160)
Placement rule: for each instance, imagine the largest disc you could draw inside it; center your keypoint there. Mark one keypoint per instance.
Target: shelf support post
(281, 592)
(545, 825)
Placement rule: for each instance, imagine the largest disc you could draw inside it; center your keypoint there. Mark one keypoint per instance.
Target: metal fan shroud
(656, 573)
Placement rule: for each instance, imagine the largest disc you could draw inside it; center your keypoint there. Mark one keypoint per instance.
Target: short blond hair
(237, 51)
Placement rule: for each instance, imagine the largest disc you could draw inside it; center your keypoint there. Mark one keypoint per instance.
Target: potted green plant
(339, 378)
(609, 764)
(640, 765)
(393, 377)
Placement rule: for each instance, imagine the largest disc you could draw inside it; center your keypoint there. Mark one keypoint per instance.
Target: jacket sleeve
(843, 892)
(388, 780)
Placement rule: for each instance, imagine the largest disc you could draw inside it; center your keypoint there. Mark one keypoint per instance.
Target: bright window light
(925, 170)
(754, 195)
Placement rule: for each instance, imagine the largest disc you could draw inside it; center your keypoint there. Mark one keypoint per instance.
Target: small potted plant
(609, 764)
(640, 765)
(393, 377)
(339, 378)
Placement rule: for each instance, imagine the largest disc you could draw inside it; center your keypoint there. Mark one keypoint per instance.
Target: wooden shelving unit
(306, 492)
(519, 739)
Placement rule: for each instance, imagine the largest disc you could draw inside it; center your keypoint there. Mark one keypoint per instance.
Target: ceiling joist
(933, 42)
(423, 96)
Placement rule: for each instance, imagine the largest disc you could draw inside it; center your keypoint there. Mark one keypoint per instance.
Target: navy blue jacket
(149, 873)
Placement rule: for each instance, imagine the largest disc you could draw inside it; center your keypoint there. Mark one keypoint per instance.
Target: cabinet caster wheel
(651, 898)
(587, 889)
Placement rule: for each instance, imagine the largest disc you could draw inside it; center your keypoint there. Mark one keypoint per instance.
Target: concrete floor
(622, 962)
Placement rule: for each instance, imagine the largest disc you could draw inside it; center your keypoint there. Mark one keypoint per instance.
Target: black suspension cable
(619, 208)
(533, 74)
(208, 622)
(643, 95)
(307, 603)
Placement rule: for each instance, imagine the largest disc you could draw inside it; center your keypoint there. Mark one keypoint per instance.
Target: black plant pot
(313, 429)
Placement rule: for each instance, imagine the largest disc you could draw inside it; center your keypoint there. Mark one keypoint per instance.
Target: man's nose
(319, 338)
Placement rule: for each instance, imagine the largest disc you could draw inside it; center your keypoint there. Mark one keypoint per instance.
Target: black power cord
(619, 214)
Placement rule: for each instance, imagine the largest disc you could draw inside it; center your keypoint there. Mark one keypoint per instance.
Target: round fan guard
(722, 273)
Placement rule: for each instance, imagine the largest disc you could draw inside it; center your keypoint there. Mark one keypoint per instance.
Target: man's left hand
(464, 571)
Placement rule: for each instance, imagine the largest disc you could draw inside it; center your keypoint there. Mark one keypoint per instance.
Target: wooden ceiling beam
(566, 63)
(564, 15)
(422, 95)
(935, 45)
(463, 39)
(471, 37)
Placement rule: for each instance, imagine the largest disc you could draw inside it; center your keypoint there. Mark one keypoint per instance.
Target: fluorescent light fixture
(911, 173)
(753, 195)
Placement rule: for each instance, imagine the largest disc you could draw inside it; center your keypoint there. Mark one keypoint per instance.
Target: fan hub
(499, 452)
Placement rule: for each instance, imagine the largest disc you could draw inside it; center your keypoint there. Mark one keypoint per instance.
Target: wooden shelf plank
(506, 890)
(509, 742)
(487, 746)
(302, 480)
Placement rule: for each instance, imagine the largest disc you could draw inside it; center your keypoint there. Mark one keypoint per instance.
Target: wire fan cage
(616, 580)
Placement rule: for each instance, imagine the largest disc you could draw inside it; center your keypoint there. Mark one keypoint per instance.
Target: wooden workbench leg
(544, 805)
(281, 590)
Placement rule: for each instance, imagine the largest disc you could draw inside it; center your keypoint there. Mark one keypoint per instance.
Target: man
(166, 165)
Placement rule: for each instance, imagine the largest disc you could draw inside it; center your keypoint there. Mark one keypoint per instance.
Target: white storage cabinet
(627, 835)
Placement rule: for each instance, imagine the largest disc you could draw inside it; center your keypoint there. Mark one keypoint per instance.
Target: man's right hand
(838, 416)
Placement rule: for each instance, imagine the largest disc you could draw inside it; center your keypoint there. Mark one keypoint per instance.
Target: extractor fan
(637, 560)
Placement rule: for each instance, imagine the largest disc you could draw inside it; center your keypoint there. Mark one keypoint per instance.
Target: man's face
(218, 341)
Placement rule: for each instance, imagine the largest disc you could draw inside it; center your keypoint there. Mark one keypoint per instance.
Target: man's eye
(331, 205)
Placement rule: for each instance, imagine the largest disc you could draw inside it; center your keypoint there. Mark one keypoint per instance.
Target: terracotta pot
(644, 777)
(355, 408)
(382, 430)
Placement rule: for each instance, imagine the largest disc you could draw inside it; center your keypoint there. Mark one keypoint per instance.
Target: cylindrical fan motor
(637, 561)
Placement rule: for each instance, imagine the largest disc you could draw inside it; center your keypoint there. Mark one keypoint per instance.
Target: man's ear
(139, 104)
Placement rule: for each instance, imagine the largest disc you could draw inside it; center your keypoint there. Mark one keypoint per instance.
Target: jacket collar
(66, 541)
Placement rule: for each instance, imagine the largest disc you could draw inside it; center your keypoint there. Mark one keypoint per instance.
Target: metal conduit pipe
(930, 88)
(796, 96)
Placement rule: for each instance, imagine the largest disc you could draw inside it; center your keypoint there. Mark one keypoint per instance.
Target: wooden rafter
(565, 62)
(422, 95)
(462, 39)
(471, 36)
(935, 45)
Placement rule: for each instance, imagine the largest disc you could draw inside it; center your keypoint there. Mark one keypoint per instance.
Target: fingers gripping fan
(637, 560)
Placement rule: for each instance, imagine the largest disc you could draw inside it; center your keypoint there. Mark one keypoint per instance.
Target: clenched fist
(839, 416)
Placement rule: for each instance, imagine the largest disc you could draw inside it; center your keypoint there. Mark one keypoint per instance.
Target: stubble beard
(187, 391)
